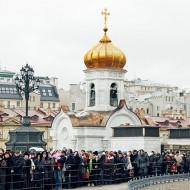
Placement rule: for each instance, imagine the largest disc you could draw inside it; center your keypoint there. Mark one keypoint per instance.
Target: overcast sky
(53, 36)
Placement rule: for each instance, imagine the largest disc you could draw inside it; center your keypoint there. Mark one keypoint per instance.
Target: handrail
(136, 183)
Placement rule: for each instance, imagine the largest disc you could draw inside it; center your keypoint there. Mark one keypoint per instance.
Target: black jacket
(17, 164)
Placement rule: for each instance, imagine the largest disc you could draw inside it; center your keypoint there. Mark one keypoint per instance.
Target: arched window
(113, 95)
(92, 94)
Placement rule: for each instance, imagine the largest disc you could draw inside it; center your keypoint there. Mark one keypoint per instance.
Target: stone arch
(121, 117)
(62, 131)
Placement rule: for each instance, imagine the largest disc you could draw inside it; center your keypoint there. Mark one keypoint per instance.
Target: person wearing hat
(17, 169)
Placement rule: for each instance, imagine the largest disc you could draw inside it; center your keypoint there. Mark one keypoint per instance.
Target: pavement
(182, 185)
(122, 186)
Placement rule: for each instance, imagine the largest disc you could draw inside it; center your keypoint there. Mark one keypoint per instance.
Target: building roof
(48, 92)
(9, 91)
(140, 82)
(90, 119)
(148, 97)
(167, 122)
(6, 73)
(36, 116)
(93, 118)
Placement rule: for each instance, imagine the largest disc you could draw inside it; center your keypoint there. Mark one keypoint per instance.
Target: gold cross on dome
(105, 13)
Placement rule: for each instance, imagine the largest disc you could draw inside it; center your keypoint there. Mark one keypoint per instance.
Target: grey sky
(53, 37)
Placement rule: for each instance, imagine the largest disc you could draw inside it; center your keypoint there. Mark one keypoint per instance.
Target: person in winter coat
(37, 174)
(101, 161)
(48, 170)
(183, 164)
(3, 165)
(57, 173)
(62, 160)
(168, 162)
(178, 158)
(76, 168)
(26, 170)
(187, 163)
(163, 161)
(9, 161)
(125, 161)
(143, 163)
(17, 170)
(134, 161)
(69, 168)
(151, 162)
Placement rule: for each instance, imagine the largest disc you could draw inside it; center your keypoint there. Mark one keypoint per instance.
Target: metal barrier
(77, 175)
(74, 176)
(136, 183)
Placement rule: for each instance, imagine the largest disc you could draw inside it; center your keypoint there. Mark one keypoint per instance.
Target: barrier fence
(46, 177)
(135, 184)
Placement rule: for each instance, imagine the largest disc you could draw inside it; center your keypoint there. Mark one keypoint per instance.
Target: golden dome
(105, 55)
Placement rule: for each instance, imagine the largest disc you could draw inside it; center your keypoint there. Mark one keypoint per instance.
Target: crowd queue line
(67, 169)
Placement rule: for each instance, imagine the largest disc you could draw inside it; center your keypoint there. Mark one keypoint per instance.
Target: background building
(11, 119)
(45, 97)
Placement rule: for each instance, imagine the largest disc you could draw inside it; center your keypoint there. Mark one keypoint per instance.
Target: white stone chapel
(91, 128)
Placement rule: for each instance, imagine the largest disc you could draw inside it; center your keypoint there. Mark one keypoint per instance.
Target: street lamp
(26, 136)
(26, 82)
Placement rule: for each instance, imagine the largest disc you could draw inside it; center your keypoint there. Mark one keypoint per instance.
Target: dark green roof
(6, 73)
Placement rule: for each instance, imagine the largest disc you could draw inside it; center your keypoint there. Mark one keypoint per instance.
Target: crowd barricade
(74, 176)
(139, 183)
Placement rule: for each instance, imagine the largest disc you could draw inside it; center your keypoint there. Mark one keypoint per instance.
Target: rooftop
(140, 82)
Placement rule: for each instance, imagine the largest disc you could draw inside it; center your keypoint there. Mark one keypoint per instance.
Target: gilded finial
(105, 13)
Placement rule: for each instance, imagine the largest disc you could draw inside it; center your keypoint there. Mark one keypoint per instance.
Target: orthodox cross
(105, 13)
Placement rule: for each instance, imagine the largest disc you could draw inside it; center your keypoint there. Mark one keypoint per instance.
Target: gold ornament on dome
(105, 13)
(105, 54)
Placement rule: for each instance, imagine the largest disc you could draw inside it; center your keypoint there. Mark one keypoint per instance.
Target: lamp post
(26, 82)
(26, 136)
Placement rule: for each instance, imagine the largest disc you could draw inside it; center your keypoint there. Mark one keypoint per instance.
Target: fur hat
(26, 154)
(95, 153)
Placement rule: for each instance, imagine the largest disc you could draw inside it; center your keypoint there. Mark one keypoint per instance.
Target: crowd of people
(67, 169)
